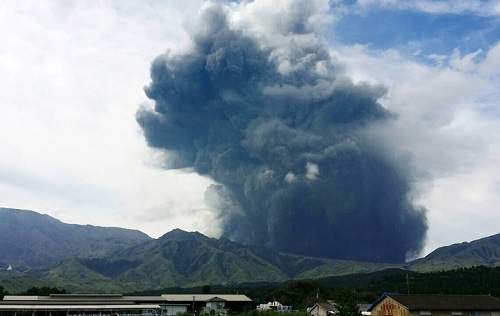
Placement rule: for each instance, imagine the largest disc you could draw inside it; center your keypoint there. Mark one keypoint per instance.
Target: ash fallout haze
(364, 130)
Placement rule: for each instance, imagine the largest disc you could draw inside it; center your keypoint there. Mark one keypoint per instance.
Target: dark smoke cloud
(279, 129)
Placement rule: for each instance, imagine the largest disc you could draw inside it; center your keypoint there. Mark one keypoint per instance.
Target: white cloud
(290, 177)
(448, 127)
(72, 75)
(312, 171)
(273, 22)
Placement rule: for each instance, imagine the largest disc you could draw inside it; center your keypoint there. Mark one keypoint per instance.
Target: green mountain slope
(188, 259)
(89, 259)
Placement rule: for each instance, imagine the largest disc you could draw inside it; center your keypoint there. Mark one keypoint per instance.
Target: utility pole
(408, 282)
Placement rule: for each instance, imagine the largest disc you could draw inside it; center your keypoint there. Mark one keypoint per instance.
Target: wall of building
(317, 311)
(389, 307)
(172, 310)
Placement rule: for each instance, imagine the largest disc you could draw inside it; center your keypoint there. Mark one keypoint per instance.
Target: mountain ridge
(187, 259)
(484, 251)
(40, 240)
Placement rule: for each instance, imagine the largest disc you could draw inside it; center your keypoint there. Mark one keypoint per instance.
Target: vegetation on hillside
(131, 261)
(363, 287)
(43, 291)
(475, 280)
(360, 288)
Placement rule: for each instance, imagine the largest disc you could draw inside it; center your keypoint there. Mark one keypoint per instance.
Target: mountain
(481, 252)
(194, 259)
(187, 259)
(89, 259)
(30, 239)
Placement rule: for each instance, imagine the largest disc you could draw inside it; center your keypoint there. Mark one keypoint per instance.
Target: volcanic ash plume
(272, 120)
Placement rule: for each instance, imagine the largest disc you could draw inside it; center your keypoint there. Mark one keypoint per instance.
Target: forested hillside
(366, 287)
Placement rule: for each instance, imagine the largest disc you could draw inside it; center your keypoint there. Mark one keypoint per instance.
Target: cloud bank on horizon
(259, 106)
(427, 73)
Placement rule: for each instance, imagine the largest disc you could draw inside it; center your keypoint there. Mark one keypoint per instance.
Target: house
(363, 308)
(215, 305)
(277, 306)
(285, 309)
(328, 309)
(271, 305)
(233, 303)
(173, 309)
(322, 309)
(435, 305)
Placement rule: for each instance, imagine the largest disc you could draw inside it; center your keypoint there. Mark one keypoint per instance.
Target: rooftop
(443, 302)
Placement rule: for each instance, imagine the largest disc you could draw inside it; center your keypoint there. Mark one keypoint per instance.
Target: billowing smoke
(275, 123)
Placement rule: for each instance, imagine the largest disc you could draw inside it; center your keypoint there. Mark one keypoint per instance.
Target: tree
(2, 293)
(44, 290)
(207, 289)
(346, 304)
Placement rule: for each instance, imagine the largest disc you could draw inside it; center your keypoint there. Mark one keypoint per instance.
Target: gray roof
(205, 297)
(97, 301)
(329, 307)
(80, 299)
(364, 307)
(435, 302)
(66, 302)
(80, 302)
(78, 307)
(216, 299)
(67, 297)
(326, 306)
(86, 296)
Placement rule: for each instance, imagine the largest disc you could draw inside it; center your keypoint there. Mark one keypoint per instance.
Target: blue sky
(73, 72)
(418, 32)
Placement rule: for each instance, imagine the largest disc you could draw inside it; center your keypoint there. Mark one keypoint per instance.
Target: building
(79, 304)
(322, 309)
(277, 306)
(435, 305)
(328, 309)
(215, 305)
(285, 309)
(117, 304)
(231, 303)
(268, 306)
